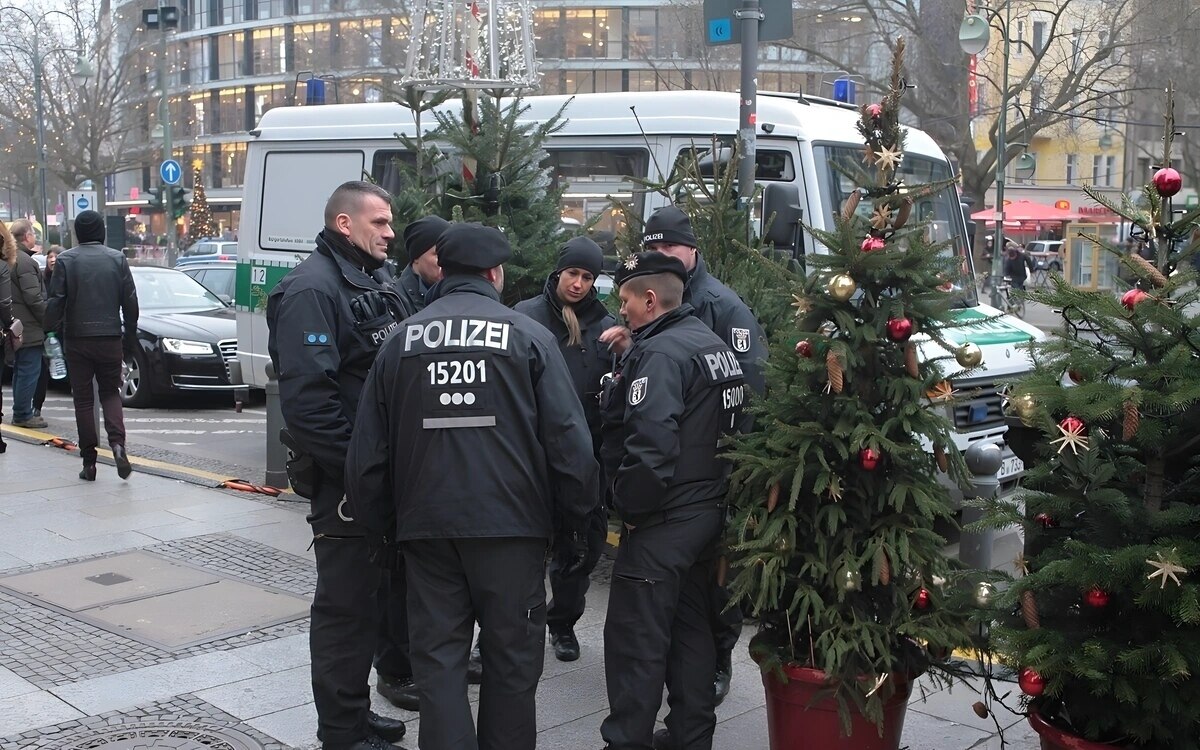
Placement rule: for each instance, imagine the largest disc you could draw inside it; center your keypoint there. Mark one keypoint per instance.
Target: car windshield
(174, 291)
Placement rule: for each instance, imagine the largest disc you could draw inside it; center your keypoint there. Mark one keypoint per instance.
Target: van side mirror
(781, 207)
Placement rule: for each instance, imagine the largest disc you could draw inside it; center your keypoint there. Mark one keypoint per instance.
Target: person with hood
(29, 305)
(422, 271)
(571, 310)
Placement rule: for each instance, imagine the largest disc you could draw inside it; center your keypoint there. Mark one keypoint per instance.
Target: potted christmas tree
(832, 547)
(1102, 622)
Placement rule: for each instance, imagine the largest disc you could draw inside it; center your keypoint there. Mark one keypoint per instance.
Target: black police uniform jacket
(590, 360)
(469, 427)
(679, 390)
(321, 351)
(724, 312)
(408, 286)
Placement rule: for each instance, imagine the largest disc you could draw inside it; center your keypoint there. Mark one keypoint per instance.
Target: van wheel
(1056, 266)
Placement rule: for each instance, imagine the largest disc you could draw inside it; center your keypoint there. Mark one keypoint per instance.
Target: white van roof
(698, 113)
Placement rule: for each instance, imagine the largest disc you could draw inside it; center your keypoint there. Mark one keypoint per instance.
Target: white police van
(298, 155)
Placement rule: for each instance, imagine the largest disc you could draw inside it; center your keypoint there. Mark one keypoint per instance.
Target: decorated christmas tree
(832, 546)
(1102, 622)
(202, 223)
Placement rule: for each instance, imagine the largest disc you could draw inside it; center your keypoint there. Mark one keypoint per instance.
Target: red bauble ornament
(804, 348)
(1073, 425)
(869, 458)
(873, 243)
(923, 599)
(1032, 683)
(875, 110)
(1132, 298)
(899, 329)
(1096, 597)
(1046, 520)
(1167, 181)
(1075, 375)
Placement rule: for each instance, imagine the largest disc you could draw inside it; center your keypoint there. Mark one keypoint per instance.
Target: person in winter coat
(570, 309)
(29, 306)
(39, 394)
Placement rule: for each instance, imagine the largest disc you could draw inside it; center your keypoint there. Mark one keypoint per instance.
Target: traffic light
(180, 198)
(155, 198)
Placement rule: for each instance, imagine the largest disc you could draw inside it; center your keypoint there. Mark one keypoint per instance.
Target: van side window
(770, 165)
(591, 178)
(291, 218)
(389, 169)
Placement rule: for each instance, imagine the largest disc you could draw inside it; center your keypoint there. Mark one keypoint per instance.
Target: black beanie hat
(669, 224)
(472, 247)
(650, 263)
(89, 227)
(581, 252)
(422, 234)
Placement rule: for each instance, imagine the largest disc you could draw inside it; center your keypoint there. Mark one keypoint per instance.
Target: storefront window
(609, 80)
(313, 47)
(197, 69)
(231, 111)
(267, 98)
(579, 27)
(232, 165)
(361, 44)
(231, 52)
(548, 33)
(643, 33)
(271, 8)
(232, 11)
(270, 51)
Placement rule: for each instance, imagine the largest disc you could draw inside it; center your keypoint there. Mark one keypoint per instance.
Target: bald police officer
(678, 390)
(327, 318)
(470, 442)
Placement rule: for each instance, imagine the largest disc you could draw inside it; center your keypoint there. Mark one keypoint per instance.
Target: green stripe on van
(254, 282)
(993, 332)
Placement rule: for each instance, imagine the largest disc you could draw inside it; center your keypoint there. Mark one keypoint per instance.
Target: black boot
(122, 460)
(401, 692)
(88, 474)
(566, 645)
(390, 730)
(370, 742)
(724, 675)
(662, 740)
(475, 666)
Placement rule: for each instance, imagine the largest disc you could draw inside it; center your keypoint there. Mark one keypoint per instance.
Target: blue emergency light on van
(843, 90)
(314, 91)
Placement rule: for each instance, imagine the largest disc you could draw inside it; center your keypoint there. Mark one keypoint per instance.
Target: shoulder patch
(637, 391)
(316, 339)
(739, 339)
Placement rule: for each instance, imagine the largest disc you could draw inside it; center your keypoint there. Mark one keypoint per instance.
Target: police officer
(669, 231)
(422, 271)
(678, 391)
(327, 319)
(470, 443)
(571, 310)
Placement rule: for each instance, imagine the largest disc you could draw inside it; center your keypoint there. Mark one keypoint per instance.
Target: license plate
(1011, 466)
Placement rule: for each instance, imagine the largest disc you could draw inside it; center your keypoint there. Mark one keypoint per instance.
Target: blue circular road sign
(170, 171)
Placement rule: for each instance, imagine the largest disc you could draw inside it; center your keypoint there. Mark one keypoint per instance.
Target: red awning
(1026, 211)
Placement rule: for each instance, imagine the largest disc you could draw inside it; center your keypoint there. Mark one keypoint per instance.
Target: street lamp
(83, 70)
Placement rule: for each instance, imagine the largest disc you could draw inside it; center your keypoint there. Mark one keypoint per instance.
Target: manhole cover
(162, 735)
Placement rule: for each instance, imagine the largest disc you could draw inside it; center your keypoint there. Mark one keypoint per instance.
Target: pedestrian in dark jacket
(422, 271)
(327, 319)
(29, 306)
(470, 446)
(8, 251)
(677, 392)
(571, 310)
(91, 295)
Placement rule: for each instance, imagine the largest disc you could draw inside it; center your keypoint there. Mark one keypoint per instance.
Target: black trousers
(391, 652)
(499, 582)
(569, 593)
(98, 357)
(726, 623)
(658, 631)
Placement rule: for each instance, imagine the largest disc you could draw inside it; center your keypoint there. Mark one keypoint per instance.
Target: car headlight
(183, 346)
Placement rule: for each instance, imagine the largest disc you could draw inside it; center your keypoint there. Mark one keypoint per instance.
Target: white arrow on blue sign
(170, 171)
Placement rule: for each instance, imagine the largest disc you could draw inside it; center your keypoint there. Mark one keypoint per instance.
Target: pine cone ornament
(851, 205)
(1129, 426)
(885, 567)
(773, 497)
(835, 372)
(910, 360)
(939, 455)
(1029, 610)
(1149, 270)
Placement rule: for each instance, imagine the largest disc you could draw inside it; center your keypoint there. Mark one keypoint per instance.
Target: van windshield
(940, 213)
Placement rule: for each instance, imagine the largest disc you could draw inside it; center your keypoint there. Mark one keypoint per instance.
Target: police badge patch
(637, 391)
(740, 338)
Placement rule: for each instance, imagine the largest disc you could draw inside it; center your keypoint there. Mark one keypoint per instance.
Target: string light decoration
(202, 224)
(481, 45)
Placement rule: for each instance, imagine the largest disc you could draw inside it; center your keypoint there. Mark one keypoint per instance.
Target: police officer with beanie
(677, 392)
(571, 310)
(327, 320)
(669, 231)
(423, 271)
(470, 444)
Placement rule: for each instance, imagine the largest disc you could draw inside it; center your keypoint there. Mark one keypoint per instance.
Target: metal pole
(41, 133)
(1001, 153)
(750, 15)
(975, 547)
(276, 451)
(164, 119)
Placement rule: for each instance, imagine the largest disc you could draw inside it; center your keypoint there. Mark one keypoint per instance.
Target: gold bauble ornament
(850, 580)
(969, 356)
(841, 287)
(985, 593)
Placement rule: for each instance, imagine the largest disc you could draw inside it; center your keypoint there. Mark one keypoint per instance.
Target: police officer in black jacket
(571, 310)
(470, 443)
(327, 320)
(678, 390)
(422, 271)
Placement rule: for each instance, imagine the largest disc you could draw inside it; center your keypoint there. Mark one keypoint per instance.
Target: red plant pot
(1054, 738)
(795, 722)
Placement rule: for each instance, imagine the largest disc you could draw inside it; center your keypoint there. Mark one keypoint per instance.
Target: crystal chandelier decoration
(483, 44)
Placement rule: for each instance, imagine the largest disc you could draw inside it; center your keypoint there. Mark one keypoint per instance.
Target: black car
(187, 335)
(218, 276)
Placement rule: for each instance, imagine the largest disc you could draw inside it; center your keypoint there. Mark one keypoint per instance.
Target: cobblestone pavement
(69, 682)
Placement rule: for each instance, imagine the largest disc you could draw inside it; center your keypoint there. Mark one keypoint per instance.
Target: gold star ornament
(1165, 569)
(1073, 437)
(881, 217)
(889, 158)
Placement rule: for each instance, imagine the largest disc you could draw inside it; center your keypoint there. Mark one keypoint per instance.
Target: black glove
(384, 554)
(573, 553)
(370, 306)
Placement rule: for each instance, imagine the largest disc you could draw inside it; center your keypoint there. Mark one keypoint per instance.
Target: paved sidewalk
(130, 611)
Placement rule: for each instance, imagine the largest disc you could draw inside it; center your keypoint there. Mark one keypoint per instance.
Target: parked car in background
(187, 335)
(218, 276)
(205, 250)
(1047, 254)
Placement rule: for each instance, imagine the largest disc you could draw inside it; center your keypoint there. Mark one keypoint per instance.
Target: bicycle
(1012, 305)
